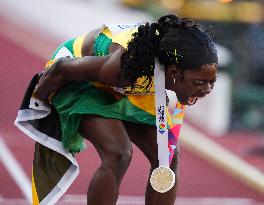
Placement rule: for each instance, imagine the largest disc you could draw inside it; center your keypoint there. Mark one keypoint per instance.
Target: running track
(198, 179)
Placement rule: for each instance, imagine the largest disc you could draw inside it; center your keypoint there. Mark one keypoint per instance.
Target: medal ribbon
(161, 117)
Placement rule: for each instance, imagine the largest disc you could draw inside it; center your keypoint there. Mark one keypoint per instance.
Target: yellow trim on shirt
(124, 37)
(106, 31)
(77, 46)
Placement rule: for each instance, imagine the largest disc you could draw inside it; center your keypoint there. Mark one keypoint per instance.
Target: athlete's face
(195, 84)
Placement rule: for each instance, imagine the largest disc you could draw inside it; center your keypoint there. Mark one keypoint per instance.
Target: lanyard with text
(162, 178)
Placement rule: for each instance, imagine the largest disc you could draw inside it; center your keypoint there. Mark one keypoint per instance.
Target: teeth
(192, 100)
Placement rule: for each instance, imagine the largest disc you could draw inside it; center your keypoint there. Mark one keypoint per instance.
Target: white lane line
(15, 202)
(15, 170)
(122, 200)
(140, 200)
(214, 201)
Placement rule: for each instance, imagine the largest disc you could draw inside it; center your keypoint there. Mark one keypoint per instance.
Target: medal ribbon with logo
(162, 178)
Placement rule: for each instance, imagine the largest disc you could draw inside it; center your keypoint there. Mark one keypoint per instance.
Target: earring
(174, 81)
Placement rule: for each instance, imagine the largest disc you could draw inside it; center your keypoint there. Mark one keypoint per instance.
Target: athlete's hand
(51, 81)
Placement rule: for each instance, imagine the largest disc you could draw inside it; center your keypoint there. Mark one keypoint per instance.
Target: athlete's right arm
(104, 69)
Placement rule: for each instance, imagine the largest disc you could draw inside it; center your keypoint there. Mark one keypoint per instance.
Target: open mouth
(192, 100)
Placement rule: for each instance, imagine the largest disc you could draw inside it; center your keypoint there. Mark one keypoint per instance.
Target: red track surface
(197, 177)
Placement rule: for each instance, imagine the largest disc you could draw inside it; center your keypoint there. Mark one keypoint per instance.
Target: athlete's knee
(118, 159)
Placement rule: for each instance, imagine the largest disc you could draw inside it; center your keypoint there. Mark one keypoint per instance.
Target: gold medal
(162, 179)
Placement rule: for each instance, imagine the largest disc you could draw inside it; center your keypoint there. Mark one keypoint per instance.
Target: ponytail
(138, 60)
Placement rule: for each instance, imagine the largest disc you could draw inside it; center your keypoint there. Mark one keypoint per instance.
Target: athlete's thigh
(107, 135)
(145, 138)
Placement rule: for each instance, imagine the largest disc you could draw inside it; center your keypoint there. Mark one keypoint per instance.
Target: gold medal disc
(162, 179)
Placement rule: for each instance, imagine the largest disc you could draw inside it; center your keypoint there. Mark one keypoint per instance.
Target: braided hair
(175, 41)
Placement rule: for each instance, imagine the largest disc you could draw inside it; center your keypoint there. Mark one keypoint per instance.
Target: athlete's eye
(212, 82)
(198, 82)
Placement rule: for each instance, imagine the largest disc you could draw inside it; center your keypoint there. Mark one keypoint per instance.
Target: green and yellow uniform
(55, 127)
(95, 98)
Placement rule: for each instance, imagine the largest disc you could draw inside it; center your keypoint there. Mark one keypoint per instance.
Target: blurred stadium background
(222, 142)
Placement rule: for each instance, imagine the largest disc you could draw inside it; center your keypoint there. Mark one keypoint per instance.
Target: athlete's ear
(174, 72)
